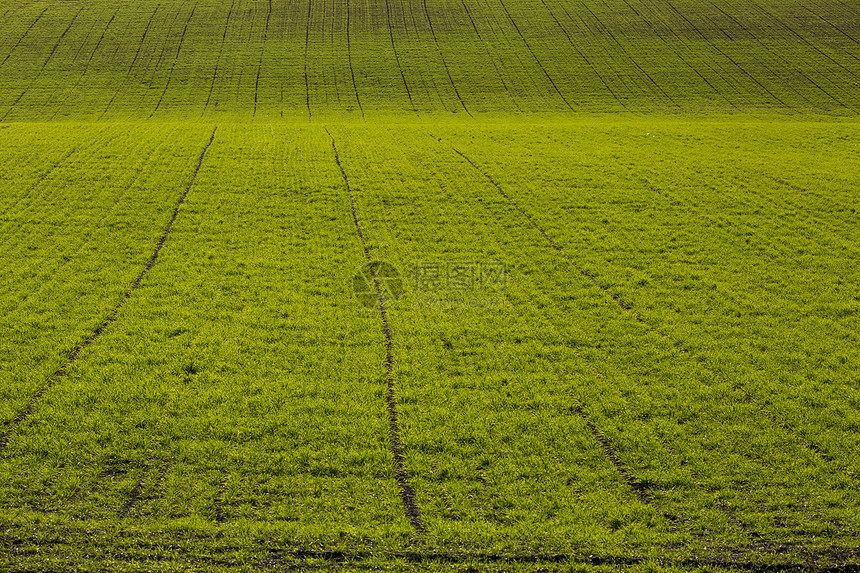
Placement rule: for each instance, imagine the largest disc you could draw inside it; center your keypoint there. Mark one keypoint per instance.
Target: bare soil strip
(799, 439)
(407, 494)
(25, 413)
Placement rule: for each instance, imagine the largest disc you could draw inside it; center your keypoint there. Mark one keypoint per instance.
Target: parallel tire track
(490, 56)
(44, 65)
(24, 35)
(218, 61)
(175, 59)
(583, 56)
(677, 344)
(537, 60)
(133, 62)
(89, 61)
(407, 494)
(260, 64)
(28, 410)
(396, 55)
(349, 57)
(442, 57)
(307, 41)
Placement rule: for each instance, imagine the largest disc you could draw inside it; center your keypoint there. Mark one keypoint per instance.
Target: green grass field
(620, 332)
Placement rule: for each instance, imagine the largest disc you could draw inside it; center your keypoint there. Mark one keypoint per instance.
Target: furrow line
(490, 56)
(28, 410)
(24, 35)
(677, 344)
(442, 57)
(349, 57)
(218, 61)
(407, 494)
(260, 64)
(133, 62)
(637, 486)
(537, 60)
(43, 283)
(803, 39)
(175, 59)
(397, 56)
(837, 28)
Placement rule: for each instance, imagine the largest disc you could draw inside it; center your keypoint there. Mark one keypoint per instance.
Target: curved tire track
(442, 57)
(677, 344)
(407, 494)
(28, 410)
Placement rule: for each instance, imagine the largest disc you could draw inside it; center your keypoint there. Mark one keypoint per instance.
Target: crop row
(335, 58)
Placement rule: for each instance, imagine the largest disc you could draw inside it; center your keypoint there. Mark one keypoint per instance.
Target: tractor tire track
(218, 61)
(789, 65)
(87, 65)
(537, 60)
(639, 67)
(44, 283)
(442, 58)
(407, 494)
(44, 65)
(640, 488)
(260, 64)
(30, 407)
(307, 41)
(677, 344)
(584, 57)
(722, 53)
(24, 35)
(133, 62)
(349, 57)
(397, 56)
(679, 41)
(794, 33)
(173, 65)
(490, 57)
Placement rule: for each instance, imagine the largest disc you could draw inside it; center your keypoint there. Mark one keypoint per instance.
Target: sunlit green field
(621, 327)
